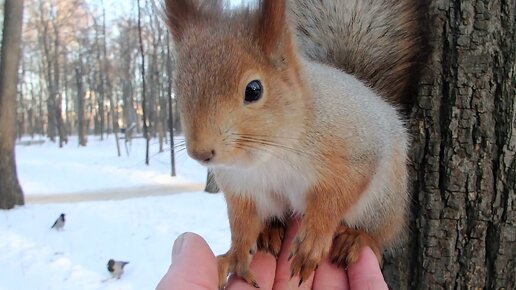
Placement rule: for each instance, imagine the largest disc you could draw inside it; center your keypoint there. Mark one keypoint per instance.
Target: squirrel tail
(381, 42)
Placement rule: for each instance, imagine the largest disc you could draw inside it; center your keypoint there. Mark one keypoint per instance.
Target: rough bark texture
(463, 228)
(10, 191)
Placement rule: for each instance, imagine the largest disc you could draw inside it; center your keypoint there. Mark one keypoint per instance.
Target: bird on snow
(116, 268)
(59, 223)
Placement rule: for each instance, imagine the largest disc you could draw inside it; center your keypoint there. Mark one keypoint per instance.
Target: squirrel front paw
(271, 238)
(236, 264)
(307, 251)
(347, 245)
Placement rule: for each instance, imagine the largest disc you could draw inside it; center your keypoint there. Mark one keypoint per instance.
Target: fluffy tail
(379, 41)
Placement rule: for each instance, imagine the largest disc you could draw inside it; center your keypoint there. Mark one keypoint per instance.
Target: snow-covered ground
(139, 230)
(46, 169)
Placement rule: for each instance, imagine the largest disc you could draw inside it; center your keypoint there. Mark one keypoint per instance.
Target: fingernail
(178, 245)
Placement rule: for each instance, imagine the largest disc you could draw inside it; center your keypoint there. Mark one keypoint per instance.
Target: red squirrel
(292, 106)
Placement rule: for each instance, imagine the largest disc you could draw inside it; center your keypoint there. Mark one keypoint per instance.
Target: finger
(193, 265)
(366, 273)
(283, 280)
(330, 277)
(263, 266)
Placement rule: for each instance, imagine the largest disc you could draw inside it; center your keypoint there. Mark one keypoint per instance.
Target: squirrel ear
(179, 14)
(271, 24)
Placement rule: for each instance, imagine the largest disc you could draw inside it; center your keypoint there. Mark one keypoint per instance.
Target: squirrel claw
(271, 238)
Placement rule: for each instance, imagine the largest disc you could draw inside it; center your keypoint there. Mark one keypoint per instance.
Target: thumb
(365, 273)
(194, 265)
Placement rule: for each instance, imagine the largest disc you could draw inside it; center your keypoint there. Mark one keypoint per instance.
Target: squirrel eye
(253, 92)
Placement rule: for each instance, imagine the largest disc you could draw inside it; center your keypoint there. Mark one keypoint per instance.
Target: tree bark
(11, 193)
(463, 225)
(211, 184)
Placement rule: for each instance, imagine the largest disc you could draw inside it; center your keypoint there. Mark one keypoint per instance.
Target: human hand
(194, 267)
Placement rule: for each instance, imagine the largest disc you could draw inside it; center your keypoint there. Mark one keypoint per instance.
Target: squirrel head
(238, 81)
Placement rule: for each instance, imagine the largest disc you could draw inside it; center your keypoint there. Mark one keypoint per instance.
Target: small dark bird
(116, 268)
(59, 223)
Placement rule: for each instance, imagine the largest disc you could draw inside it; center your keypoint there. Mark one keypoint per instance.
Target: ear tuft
(179, 14)
(272, 24)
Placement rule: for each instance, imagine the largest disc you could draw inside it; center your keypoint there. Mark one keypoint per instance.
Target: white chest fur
(275, 186)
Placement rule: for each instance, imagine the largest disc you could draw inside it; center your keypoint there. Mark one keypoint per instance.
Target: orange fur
(324, 214)
(217, 58)
(348, 244)
(386, 236)
(271, 26)
(245, 228)
(271, 237)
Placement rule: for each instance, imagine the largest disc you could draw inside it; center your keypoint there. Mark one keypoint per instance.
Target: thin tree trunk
(211, 184)
(11, 193)
(41, 123)
(20, 117)
(463, 228)
(47, 65)
(21, 103)
(68, 101)
(109, 92)
(100, 84)
(61, 129)
(170, 111)
(81, 128)
(144, 100)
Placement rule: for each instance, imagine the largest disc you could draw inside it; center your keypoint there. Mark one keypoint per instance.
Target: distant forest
(95, 67)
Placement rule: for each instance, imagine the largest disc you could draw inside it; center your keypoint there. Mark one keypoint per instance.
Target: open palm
(194, 267)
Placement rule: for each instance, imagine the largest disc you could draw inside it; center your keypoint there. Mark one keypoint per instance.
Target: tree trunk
(81, 126)
(61, 130)
(211, 184)
(109, 90)
(144, 99)
(41, 118)
(463, 225)
(100, 79)
(11, 193)
(61, 126)
(171, 114)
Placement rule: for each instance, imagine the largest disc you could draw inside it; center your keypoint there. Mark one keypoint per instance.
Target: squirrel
(293, 104)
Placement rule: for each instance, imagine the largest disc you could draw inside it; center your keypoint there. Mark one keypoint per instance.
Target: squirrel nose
(203, 155)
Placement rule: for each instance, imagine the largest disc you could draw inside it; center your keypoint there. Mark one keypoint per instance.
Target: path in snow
(115, 194)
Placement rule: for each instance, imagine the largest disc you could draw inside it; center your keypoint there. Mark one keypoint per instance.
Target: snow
(46, 169)
(139, 230)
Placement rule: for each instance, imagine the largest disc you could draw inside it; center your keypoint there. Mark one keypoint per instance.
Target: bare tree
(107, 80)
(81, 130)
(170, 110)
(11, 193)
(125, 67)
(144, 99)
(463, 228)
